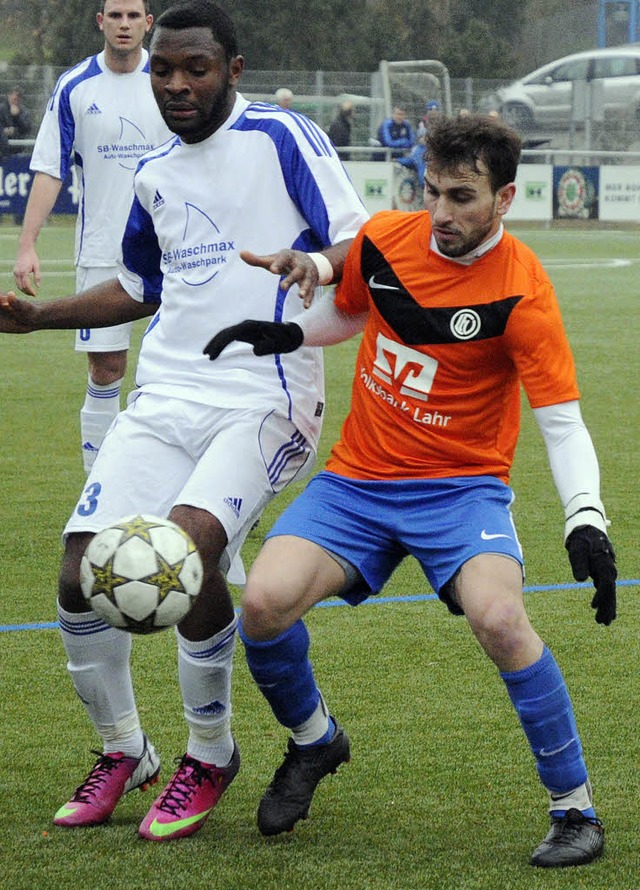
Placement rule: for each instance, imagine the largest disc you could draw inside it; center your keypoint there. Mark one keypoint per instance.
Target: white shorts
(113, 339)
(160, 452)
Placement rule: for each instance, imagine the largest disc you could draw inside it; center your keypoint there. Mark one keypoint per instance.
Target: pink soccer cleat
(187, 801)
(111, 778)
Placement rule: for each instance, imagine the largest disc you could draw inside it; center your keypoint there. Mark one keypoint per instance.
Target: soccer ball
(142, 574)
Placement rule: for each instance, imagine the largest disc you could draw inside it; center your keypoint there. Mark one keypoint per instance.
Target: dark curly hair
(458, 142)
(202, 14)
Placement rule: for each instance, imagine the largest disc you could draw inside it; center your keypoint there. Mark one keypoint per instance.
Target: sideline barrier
(544, 192)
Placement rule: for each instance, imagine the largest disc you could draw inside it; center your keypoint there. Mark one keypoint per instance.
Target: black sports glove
(267, 337)
(591, 554)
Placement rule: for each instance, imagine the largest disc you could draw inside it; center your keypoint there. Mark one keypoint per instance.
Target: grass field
(441, 792)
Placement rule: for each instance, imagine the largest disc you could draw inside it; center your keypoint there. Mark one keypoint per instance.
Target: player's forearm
(574, 464)
(42, 197)
(323, 324)
(102, 306)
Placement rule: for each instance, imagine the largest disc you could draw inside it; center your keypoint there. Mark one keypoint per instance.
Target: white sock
(101, 404)
(580, 799)
(204, 672)
(98, 662)
(314, 728)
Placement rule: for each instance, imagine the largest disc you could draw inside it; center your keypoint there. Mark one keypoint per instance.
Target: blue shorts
(373, 525)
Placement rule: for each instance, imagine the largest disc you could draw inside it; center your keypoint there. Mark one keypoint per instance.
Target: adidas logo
(212, 709)
(93, 109)
(235, 504)
(158, 200)
(87, 446)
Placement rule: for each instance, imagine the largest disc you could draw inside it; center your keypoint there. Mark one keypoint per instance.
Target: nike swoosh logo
(545, 753)
(163, 829)
(65, 811)
(487, 537)
(375, 284)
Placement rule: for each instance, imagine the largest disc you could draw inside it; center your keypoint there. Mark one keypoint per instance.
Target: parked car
(546, 96)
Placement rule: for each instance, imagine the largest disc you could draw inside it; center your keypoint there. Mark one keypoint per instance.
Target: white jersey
(266, 180)
(103, 123)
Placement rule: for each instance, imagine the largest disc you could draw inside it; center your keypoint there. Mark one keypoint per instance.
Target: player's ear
(505, 196)
(236, 67)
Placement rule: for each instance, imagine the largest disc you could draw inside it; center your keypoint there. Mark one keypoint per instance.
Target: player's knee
(264, 615)
(500, 625)
(106, 368)
(205, 530)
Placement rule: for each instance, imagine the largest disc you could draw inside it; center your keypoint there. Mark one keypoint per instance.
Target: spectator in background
(284, 98)
(431, 110)
(340, 130)
(5, 148)
(397, 133)
(15, 123)
(15, 120)
(416, 160)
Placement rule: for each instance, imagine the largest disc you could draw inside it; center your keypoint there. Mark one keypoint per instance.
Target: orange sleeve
(536, 338)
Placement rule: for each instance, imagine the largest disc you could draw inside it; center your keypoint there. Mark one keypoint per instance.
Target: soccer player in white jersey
(101, 118)
(207, 443)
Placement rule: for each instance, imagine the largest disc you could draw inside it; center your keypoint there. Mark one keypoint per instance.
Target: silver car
(546, 97)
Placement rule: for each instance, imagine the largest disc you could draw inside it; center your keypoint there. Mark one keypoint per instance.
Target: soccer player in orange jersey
(456, 315)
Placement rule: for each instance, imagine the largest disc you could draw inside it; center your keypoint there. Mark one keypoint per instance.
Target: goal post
(412, 84)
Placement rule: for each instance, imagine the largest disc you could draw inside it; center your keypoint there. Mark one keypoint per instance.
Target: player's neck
(123, 63)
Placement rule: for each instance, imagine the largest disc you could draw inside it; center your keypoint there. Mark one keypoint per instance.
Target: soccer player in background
(208, 445)
(456, 315)
(101, 118)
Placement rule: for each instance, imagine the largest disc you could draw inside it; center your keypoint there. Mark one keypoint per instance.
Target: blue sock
(540, 697)
(283, 672)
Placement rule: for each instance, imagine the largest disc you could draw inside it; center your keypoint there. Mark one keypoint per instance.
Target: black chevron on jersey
(419, 325)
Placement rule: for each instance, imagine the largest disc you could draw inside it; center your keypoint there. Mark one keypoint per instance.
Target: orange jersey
(436, 391)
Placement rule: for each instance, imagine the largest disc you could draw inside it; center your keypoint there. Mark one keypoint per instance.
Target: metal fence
(319, 93)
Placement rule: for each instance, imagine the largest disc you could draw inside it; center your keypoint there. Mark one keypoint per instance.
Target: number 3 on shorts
(90, 504)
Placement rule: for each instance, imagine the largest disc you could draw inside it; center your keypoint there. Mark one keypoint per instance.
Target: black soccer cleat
(572, 840)
(289, 796)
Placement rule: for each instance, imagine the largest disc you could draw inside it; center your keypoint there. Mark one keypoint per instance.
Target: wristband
(324, 267)
(584, 509)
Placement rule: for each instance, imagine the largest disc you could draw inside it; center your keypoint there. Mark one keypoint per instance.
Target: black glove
(267, 337)
(591, 554)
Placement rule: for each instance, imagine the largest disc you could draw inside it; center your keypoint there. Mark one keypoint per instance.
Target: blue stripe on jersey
(79, 164)
(305, 242)
(141, 252)
(73, 76)
(139, 231)
(316, 137)
(67, 83)
(314, 134)
(285, 129)
(158, 152)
